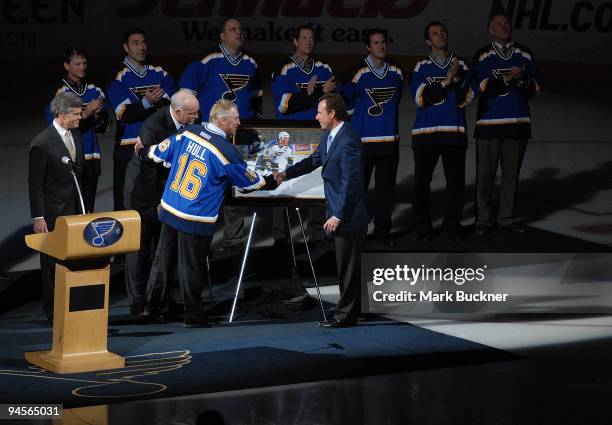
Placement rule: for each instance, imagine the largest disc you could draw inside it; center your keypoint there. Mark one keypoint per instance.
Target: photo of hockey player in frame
(271, 146)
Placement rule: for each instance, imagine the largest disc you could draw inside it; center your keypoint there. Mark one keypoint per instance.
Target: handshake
(279, 177)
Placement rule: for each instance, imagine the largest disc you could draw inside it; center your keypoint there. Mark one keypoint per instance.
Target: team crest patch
(103, 232)
(379, 96)
(163, 146)
(234, 82)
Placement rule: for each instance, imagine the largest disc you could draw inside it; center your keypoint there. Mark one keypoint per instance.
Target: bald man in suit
(51, 185)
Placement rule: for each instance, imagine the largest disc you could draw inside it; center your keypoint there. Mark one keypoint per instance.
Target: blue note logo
(103, 232)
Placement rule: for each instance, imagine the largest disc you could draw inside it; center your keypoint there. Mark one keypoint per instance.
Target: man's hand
(451, 74)
(40, 225)
(516, 73)
(93, 107)
(331, 224)
(312, 84)
(279, 177)
(330, 85)
(154, 94)
(138, 147)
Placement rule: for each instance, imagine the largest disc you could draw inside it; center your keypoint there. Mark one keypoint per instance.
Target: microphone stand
(76, 184)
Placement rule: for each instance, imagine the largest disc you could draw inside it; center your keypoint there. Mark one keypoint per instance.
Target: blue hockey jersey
(89, 126)
(290, 89)
(440, 114)
(217, 76)
(202, 162)
(503, 108)
(127, 96)
(373, 100)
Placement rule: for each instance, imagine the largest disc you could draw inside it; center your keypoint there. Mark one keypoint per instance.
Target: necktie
(70, 145)
(329, 142)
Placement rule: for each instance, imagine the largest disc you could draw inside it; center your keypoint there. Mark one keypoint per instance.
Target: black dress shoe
(198, 323)
(425, 236)
(332, 324)
(368, 317)
(514, 228)
(455, 237)
(385, 239)
(481, 229)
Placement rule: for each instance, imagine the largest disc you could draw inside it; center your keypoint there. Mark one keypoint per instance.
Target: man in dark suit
(144, 185)
(339, 153)
(51, 185)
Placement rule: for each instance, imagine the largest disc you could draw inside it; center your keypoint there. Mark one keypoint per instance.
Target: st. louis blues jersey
(503, 108)
(290, 88)
(373, 98)
(89, 126)
(218, 76)
(127, 96)
(440, 117)
(202, 162)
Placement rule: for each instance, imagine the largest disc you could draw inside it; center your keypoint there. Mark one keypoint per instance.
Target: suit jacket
(145, 181)
(51, 185)
(342, 177)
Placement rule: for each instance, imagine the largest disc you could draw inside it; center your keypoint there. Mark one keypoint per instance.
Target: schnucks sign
(570, 30)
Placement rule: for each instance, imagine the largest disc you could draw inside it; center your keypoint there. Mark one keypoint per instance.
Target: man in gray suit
(51, 185)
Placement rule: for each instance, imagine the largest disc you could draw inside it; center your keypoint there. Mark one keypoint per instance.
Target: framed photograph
(270, 146)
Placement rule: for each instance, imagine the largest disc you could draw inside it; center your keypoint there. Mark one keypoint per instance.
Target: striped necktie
(70, 145)
(329, 142)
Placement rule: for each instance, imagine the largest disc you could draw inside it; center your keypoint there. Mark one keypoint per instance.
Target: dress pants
(121, 158)
(138, 264)
(349, 245)
(47, 274)
(163, 270)
(384, 187)
(89, 183)
(192, 252)
(509, 153)
(453, 163)
(233, 227)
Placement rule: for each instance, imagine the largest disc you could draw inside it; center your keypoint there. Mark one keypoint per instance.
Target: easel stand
(246, 253)
(80, 318)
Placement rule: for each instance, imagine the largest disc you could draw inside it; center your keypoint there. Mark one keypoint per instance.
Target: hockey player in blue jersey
(299, 82)
(507, 76)
(137, 91)
(441, 86)
(373, 92)
(227, 72)
(202, 163)
(94, 118)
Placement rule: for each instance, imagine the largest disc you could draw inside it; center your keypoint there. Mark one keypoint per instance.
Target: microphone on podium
(73, 166)
(66, 160)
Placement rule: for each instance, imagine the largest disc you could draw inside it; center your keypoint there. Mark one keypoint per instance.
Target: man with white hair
(202, 163)
(143, 189)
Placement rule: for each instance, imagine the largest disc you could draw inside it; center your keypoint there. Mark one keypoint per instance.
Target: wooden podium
(83, 245)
